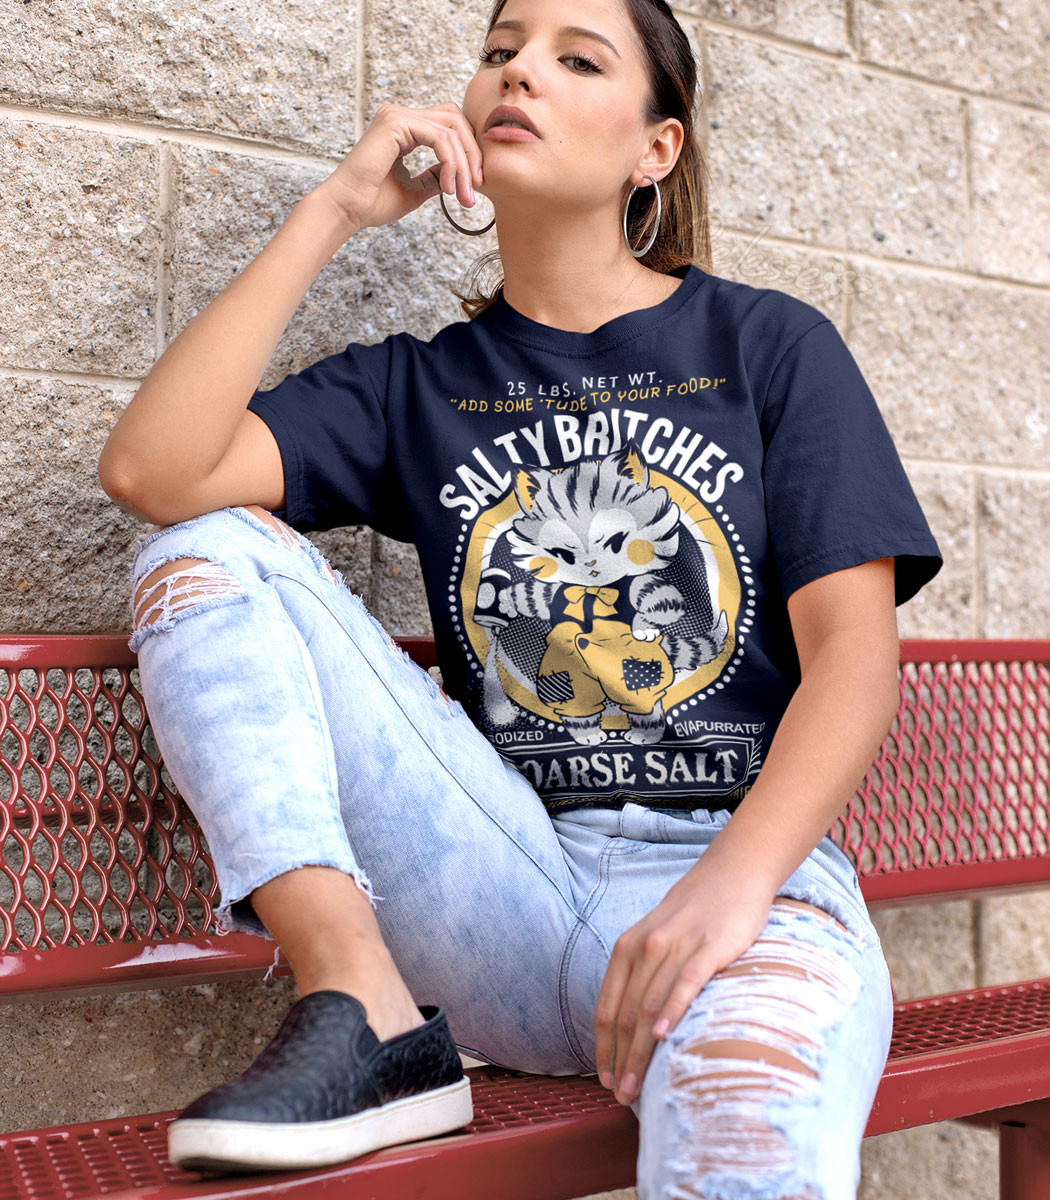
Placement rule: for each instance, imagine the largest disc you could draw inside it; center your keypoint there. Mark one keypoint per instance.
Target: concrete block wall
(885, 160)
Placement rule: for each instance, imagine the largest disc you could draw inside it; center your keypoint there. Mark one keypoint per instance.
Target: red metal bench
(105, 884)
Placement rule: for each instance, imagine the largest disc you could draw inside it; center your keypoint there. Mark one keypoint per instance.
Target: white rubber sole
(253, 1146)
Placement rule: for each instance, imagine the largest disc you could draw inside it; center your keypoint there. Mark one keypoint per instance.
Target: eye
(589, 65)
(566, 556)
(615, 543)
(487, 55)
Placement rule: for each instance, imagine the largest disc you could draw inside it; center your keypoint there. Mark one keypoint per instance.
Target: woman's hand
(660, 965)
(373, 187)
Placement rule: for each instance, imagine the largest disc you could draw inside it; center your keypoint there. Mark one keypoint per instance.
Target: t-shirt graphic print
(599, 599)
(610, 524)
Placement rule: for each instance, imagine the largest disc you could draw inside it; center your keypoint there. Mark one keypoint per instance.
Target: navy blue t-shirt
(609, 523)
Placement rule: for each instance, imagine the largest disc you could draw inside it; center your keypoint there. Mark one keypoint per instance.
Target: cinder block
(273, 71)
(959, 371)
(825, 281)
(423, 256)
(67, 548)
(400, 64)
(397, 597)
(79, 255)
(999, 50)
(929, 947)
(947, 1161)
(750, 14)
(807, 21)
(349, 550)
(227, 207)
(1011, 190)
(828, 154)
(946, 606)
(1014, 517)
(1014, 936)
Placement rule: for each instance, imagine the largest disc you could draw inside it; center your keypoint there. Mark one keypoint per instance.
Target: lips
(506, 112)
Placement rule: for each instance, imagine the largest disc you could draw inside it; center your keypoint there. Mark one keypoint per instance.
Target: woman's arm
(187, 443)
(845, 630)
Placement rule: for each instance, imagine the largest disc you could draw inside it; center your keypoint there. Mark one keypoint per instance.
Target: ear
(527, 482)
(665, 145)
(629, 462)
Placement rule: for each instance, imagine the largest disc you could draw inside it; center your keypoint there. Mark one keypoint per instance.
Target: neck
(573, 271)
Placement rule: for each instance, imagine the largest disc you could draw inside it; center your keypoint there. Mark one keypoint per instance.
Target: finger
(606, 1011)
(459, 175)
(462, 138)
(635, 1062)
(635, 1020)
(470, 141)
(413, 129)
(426, 182)
(693, 977)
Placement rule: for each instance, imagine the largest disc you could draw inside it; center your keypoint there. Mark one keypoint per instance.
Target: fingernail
(661, 1027)
(473, 198)
(629, 1088)
(606, 1078)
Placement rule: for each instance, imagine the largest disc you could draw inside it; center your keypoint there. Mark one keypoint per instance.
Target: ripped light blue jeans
(301, 735)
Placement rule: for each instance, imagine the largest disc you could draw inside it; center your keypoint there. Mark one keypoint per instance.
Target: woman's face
(584, 96)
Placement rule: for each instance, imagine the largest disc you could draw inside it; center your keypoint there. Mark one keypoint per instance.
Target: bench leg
(1024, 1162)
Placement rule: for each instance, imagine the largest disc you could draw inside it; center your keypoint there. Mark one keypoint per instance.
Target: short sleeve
(330, 423)
(836, 491)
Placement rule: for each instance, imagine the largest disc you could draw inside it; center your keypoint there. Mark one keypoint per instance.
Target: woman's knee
(167, 591)
(752, 1065)
(181, 569)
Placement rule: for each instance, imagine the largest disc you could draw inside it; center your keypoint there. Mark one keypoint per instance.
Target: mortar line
(152, 134)
(43, 375)
(852, 24)
(808, 50)
(901, 266)
(962, 464)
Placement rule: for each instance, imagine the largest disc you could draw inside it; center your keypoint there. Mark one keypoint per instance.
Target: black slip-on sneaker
(324, 1090)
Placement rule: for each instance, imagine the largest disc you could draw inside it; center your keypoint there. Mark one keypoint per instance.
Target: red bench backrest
(97, 849)
(958, 799)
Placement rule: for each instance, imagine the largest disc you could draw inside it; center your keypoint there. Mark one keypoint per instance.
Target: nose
(517, 72)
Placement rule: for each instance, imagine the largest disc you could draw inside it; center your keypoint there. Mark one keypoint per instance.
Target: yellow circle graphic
(696, 522)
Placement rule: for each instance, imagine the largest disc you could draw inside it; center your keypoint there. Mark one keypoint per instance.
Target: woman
(660, 521)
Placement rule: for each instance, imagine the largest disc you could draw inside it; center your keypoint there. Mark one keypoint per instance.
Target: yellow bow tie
(604, 596)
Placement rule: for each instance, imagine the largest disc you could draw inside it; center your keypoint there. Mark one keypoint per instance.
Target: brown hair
(684, 235)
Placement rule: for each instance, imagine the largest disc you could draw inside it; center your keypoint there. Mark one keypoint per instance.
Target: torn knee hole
(177, 586)
(752, 1051)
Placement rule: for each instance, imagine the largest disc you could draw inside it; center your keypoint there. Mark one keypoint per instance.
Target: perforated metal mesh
(95, 845)
(921, 1026)
(112, 1156)
(963, 775)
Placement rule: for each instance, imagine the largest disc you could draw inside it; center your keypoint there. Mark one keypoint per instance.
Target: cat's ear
(527, 482)
(629, 462)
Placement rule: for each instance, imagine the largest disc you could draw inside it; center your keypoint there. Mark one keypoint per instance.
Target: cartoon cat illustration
(593, 539)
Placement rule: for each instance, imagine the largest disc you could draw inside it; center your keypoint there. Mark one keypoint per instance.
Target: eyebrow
(566, 31)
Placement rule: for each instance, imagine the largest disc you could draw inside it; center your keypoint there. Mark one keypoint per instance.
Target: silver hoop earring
(461, 228)
(659, 213)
